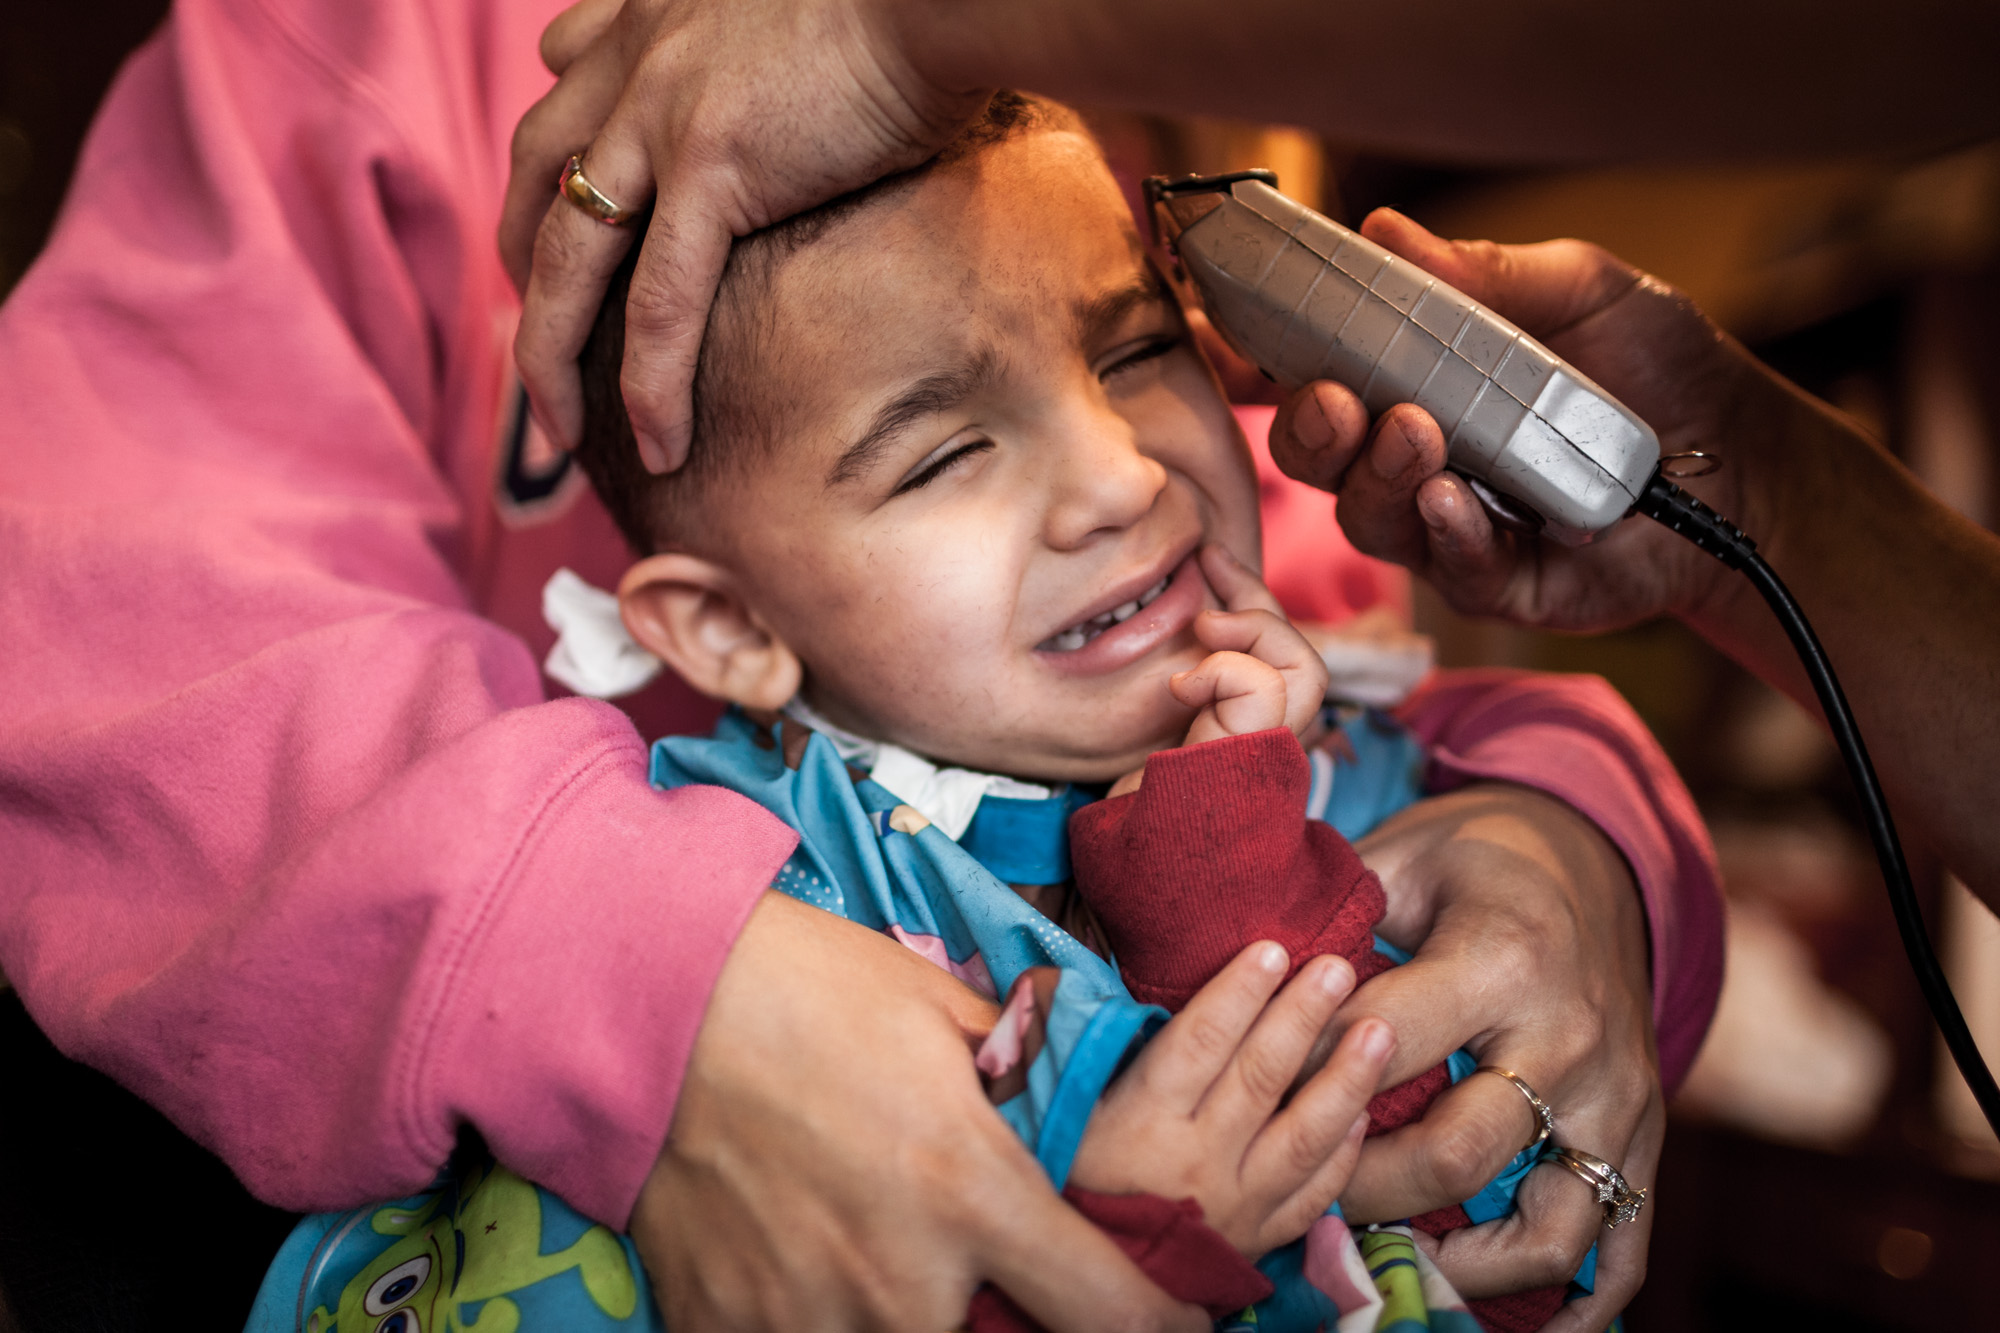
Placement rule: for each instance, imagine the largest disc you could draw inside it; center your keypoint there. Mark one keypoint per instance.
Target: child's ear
(690, 613)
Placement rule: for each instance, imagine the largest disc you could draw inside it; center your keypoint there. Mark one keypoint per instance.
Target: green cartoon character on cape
(469, 1256)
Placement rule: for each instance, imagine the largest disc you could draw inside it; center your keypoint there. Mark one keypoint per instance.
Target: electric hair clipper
(1306, 299)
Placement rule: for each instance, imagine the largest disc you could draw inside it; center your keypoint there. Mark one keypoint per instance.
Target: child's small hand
(1262, 673)
(1193, 1116)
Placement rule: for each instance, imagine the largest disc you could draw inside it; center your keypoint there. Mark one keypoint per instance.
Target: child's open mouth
(1126, 632)
(1076, 636)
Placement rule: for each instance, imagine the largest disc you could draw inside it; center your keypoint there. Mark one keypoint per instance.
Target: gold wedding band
(1621, 1202)
(576, 188)
(1545, 1115)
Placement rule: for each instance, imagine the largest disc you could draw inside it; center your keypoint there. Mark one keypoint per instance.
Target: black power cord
(1670, 505)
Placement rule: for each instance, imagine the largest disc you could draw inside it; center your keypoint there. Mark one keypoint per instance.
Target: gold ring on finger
(1545, 1116)
(578, 190)
(1621, 1202)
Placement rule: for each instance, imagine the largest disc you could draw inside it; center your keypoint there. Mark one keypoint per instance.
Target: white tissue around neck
(948, 797)
(594, 655)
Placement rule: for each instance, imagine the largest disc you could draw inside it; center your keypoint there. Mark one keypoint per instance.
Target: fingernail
(1312, 425)
(1271, 957)
(1377, 1040)
(651, 452)
(551, 429)
(1393, 453)
(1335, 975)
(1434, 507)
(1413, 225)
(1380, 219)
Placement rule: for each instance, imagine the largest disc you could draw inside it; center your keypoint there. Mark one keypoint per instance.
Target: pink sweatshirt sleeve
(1571, 736)
(294, 847)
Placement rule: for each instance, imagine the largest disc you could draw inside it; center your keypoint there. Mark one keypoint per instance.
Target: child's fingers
(1264, 635)
(1235, 582)
(1191, 1052)
(1267, 1061)
(1291, 1152)
(1223, 676)
(1237, 695)
(1254, 623)
(1295, 1216)
(1273, 640)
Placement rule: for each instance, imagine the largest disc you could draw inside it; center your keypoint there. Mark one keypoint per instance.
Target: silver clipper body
(1306, 299)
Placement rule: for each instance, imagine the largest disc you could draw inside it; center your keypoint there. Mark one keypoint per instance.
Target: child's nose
(1103, 482)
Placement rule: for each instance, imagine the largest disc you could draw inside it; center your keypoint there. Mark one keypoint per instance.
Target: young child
(968, 533)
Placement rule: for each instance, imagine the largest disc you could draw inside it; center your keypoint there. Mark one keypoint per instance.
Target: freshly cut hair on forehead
(731, 423)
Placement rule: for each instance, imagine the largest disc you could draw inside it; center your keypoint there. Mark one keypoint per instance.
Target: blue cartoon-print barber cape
(483, 1248)
(433, 1262)
(865, 855)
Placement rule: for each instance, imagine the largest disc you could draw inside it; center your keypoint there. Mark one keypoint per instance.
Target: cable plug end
(1668, 504)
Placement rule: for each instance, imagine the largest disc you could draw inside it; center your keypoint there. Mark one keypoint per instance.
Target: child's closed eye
(941, 462)
(1138, 355)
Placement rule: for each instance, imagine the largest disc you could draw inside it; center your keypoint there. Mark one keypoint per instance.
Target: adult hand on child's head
(1197, 1115)
(1642, 340)
(725, 118)
(834, 1162)
(1531, 951)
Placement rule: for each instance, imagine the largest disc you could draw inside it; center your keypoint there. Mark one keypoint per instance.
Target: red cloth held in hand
(1214, 851)
(1167, 1239)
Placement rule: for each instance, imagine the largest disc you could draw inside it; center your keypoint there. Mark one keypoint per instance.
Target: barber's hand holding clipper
(1398, 502)
(1903, 591)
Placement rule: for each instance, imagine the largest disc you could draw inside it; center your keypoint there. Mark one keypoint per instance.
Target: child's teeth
(1078, 635)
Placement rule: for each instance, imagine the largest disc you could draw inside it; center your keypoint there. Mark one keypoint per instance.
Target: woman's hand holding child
(834, 1162)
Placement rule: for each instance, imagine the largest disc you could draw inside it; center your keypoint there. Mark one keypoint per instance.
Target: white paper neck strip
(948, 797)
(594, 655)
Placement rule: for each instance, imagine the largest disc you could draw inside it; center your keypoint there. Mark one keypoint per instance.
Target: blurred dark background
(1825, 1167)
(56, 60)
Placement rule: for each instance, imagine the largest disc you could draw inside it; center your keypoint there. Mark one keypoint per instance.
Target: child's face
(994, 434)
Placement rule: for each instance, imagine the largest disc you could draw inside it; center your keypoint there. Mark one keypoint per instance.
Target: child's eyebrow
(1100, 314)
(939, 391)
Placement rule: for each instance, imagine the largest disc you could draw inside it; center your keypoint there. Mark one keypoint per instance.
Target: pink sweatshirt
(296, 844)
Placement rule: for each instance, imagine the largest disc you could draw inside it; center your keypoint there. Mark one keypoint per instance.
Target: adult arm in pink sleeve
(1576, 739)
(295, 848)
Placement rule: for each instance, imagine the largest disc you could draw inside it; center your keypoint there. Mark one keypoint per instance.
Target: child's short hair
(730, 419)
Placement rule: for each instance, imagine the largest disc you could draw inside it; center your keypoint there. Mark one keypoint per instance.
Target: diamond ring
(1621, 1202)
